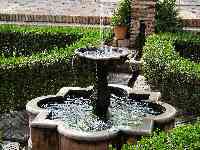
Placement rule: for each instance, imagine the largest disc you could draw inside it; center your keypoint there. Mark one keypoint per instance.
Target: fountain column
(100, 99)
(102, 93)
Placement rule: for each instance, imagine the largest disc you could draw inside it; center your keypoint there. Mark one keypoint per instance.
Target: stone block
(120, 43)
(123, 43)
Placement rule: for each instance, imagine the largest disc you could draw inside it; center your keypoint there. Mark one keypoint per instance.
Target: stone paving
(14, 130)
(14, 126)
(58, 7)
(187, 8)
(80, 11)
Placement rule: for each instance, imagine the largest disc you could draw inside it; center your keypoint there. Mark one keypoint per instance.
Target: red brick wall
(191, 22)
(142, 10)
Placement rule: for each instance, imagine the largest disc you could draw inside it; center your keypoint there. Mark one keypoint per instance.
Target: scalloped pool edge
(37, 117)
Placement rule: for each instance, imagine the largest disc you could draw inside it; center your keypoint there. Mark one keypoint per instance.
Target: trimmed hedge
(177, 78)
(179, 138)
(184, 137)
(25, 77)
(26, 43)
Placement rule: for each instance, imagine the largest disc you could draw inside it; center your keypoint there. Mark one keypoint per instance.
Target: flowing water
(77, 113)
(101, 24)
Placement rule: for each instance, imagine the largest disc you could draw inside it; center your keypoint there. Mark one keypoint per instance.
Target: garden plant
(166, 19)
(179, 138)
(121, 19)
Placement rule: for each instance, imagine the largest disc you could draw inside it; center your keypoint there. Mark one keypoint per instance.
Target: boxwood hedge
(25, 43)
(180, 138)
(183, 137)
(23, 77)
(176, 76)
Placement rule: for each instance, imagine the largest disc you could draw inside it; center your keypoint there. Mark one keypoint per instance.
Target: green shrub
(122, 15)
(180, 138)
(176, 77)
(26, 43)
(167, 16)
(188, 47)
(25, 77)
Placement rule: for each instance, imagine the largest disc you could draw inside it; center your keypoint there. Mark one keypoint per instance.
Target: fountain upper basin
(103, 53)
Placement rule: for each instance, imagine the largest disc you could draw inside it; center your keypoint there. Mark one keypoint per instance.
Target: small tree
(167, 19)
(122, 14)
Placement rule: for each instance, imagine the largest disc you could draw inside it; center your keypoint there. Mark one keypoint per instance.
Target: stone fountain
(97, 116)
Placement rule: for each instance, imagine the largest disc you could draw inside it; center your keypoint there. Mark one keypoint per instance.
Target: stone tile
(141, 84)
(11, 146)
(59, 7)
(14, 126)
(119, 78)
(189, 9)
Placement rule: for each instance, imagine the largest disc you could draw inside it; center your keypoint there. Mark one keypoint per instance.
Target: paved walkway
(66, 11)
(59, 7)
(189, 9)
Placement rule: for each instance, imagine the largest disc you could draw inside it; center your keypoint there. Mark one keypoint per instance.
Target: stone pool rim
(41, 115)
(41, 122)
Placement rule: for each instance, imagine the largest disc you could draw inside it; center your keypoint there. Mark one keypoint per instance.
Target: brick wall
(191, 23)
(142, 10)
(92, 20)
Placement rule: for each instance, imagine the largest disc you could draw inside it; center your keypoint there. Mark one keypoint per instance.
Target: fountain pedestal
(101, 96)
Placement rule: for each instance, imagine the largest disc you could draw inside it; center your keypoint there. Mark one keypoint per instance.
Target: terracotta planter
(120, 32)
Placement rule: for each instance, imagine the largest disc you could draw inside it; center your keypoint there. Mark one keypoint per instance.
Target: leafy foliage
(177, 78)
(25, 77)
(90, 37)
(181, 138)
(26, 43)
(122, 14)
(166, 16)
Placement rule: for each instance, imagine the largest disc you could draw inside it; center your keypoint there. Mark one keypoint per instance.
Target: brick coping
(85, 20)
(93, 20)
(191, 22)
